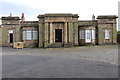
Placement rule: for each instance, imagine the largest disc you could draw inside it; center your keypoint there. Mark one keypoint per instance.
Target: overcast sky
(84, 8)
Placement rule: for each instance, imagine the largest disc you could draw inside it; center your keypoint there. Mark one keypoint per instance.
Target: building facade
(59, 30)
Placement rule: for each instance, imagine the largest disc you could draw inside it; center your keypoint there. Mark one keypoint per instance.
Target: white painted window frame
(24, 35)
(107, 34)
(88, 36)
(93, 33)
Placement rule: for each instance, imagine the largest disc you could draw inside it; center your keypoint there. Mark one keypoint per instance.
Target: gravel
(104, 53)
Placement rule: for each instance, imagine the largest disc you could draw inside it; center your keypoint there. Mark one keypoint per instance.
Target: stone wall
(82, 41)
(47, 25)
(0, 35)
(29, 26)
(9, 23)
(49, 22)
(29, 43)
(107, 23)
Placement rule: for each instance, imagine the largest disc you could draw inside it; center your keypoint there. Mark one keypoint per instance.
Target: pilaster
(51, 33)
(70, 32)
(46, 35)
(65, 33)
(40, 34)
(76, 34)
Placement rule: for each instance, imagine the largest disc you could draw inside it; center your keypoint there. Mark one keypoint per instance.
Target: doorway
(58, 35)
(11, 37)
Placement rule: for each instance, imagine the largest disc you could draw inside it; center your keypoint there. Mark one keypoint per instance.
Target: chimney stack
(10, 14)
(93, 17)
(22, 17)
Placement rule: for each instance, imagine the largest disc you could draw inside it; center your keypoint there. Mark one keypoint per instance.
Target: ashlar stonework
(58, 30)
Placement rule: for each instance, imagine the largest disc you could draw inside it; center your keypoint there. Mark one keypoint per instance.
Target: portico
(58, 29)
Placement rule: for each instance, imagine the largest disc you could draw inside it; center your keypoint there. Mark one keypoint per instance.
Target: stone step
(56, 45)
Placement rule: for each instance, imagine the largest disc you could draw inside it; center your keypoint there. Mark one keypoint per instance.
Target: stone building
(58, 30)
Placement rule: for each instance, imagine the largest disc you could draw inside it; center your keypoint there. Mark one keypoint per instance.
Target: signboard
(10, 31)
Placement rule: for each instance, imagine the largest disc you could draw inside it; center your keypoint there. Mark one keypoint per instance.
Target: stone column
(70, 29)
(65, 33)
(76, 34)
(46, 35)
(40, 34)
(51, 33)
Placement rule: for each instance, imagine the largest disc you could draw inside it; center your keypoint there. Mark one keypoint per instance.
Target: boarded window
(107, 34)
(81, 34)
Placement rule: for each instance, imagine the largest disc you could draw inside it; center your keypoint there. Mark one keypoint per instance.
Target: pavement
(25, 66)
(66, 63)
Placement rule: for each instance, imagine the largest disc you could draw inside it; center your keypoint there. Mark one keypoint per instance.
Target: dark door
(58, 35)
(11, 37)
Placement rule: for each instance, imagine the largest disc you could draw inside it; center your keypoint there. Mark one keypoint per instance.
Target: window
(35, 35)
(93, 34)
(30, 35)
(81, 34)
(88, 35)
(107, 34)
(24, 35)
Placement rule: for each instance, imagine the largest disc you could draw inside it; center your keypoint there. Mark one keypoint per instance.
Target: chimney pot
(10, 14)
(22, 17)
(93, 17)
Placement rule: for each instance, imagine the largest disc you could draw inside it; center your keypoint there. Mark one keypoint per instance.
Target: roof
(107, 17)
(10, 18)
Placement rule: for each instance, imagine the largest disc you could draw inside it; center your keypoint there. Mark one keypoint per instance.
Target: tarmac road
(31, 66)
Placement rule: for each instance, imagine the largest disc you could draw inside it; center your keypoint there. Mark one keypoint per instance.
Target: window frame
(30, 35)
(107, 34)
(24, 35)
(93, 33)
(81, 34)
(35, 34)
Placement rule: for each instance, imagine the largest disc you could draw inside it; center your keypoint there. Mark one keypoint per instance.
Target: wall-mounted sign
(10, 31)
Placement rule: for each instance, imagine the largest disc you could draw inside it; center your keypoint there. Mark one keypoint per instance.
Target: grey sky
(84, 8)
(119, 16)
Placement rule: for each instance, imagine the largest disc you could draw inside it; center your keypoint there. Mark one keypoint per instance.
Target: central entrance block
(58, 30)
(58, 35)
